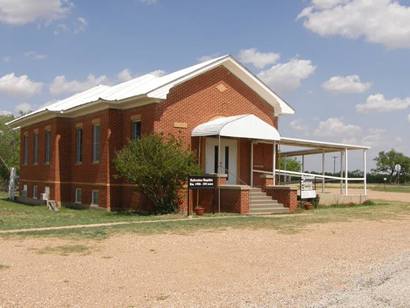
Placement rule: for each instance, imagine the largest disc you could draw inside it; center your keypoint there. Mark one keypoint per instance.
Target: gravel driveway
(356, 264)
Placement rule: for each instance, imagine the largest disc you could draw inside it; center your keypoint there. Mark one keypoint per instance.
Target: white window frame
(93, 199)
(78, 196)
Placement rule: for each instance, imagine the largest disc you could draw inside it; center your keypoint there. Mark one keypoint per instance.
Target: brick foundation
(285, 195)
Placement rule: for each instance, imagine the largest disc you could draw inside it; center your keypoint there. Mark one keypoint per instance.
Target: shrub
(159, 167)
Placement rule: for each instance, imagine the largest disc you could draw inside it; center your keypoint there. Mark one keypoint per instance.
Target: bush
(159, 167)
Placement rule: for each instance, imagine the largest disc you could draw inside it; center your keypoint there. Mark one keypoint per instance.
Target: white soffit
(242, 126)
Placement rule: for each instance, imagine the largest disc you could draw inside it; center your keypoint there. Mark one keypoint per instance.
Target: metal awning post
(365, 171)
(341, 172)
(323, 172)
(274, 162)
(346, 172)
(219, 170)
(251, 166)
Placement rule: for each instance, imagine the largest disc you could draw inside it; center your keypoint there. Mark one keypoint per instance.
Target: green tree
(9, 147)
(159, 166)
(290, 164)
(386, 162)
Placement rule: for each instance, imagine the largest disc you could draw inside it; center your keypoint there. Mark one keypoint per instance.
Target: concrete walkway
(119, 223)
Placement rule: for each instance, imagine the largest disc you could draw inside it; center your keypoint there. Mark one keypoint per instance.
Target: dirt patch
(3, 267)
(65, 250)
(235, 267)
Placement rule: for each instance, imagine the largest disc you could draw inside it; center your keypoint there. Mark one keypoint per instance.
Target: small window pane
(78, 195)
(35, 148)
(79, 145)
(25, 146)
(136, 130)
(96, 142)
(35, 191)
(47, 153)
(94, 197)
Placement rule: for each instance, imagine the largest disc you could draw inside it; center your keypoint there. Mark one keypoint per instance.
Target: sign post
(199, 182)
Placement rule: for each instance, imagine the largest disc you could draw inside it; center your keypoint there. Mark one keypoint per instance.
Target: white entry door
(228, 157)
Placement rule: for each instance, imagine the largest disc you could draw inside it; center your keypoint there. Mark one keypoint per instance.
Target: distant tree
(290, 164)
(9, 147)
(386, 162)
(159, 166)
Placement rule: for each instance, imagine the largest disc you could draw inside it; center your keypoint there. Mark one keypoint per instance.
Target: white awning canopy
(242, 126)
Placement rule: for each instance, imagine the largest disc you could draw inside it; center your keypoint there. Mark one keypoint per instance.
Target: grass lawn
(19, 216)
(16, 216)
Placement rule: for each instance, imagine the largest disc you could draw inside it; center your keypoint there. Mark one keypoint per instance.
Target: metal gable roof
(155, 86)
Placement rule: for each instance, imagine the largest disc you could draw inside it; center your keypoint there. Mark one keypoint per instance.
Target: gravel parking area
(357, 264)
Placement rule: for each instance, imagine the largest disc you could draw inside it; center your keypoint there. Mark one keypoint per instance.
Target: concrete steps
(262, 204)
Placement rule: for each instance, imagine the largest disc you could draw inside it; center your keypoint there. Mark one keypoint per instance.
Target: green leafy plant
(159, 167)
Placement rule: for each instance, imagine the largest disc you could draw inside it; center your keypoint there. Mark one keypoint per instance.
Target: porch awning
(242, 126)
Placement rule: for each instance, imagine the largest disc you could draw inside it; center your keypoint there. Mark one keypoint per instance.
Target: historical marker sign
(201, 182)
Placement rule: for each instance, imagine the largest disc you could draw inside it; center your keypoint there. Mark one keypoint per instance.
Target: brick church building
(225, 114)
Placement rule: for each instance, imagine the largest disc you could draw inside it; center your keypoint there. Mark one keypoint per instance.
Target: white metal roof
(154, 86)
(312, 147)
(240, 126)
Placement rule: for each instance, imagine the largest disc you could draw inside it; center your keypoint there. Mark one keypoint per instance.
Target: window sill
(96, 162)
(78, 163)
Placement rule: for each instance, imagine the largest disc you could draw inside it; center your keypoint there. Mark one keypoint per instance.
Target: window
(35, 191)
(47, 192)
(136, 130)
(24, 191)
(47, 146)
(79, 144)
(25, 149)
(94, 197)
(35, 148)
(96, 142)
(78, 196)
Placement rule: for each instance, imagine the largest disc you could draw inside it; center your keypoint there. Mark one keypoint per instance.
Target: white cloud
(257, 58)
(149, 2)
(23, 108)
(61, 85)
(21, 12)
(378, 103)
(125, 75)
(346, 84)
(77, 26)
(335, 127)
(287, 76)
(34, 55)
(6, 59)
(384, 22)
(298, 125)
(13, 85)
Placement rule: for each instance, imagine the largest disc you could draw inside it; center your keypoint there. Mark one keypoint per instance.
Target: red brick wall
(191, 103)
(285, 195)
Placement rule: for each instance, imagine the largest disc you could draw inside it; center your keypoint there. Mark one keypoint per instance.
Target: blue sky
(343, 64)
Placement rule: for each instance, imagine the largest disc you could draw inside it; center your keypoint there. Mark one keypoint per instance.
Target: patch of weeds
(3, 267)
(65, 250)
(162, 297)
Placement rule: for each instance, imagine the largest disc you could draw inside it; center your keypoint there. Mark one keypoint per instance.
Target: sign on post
(198, 182)
(201, 182)
(307, 187)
